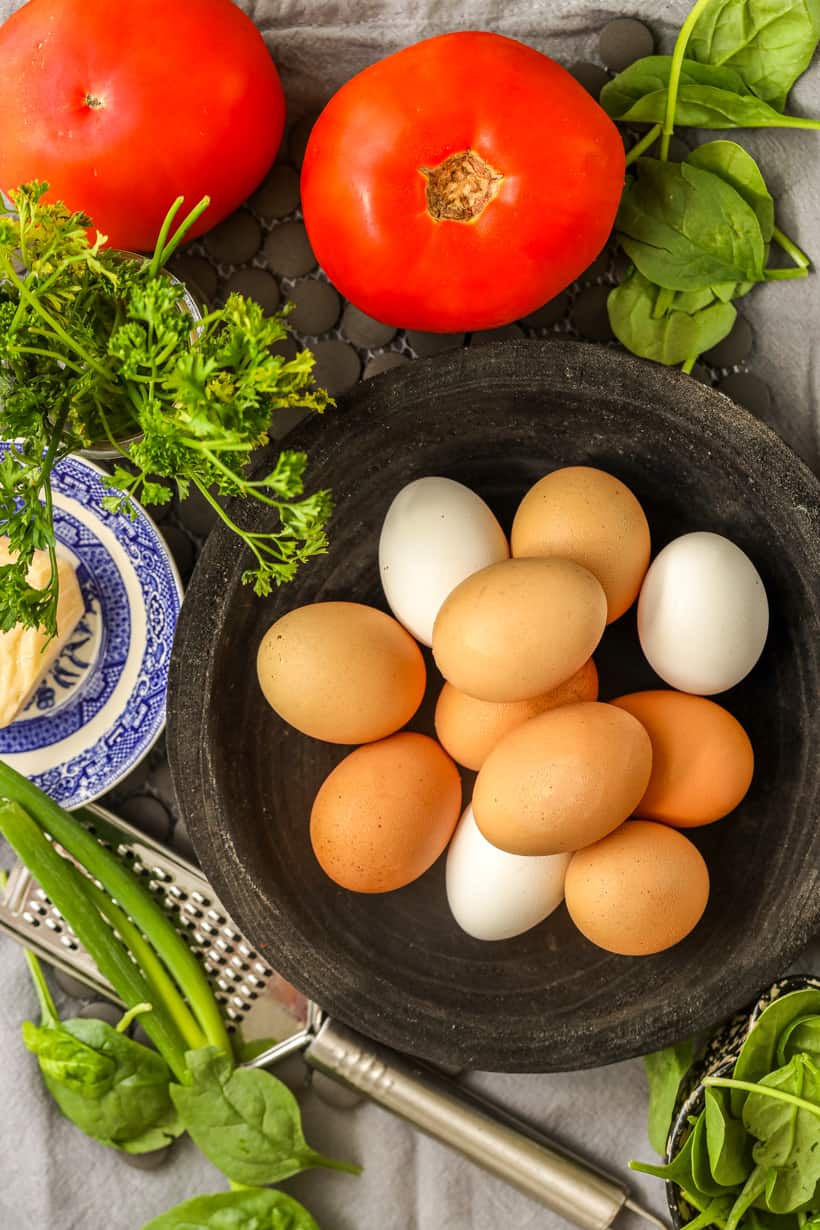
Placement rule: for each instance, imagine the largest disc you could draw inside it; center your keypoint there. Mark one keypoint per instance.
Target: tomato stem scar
(461, 187)
(91, 100)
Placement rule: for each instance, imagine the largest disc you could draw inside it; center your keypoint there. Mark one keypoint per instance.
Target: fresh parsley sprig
(96, 346)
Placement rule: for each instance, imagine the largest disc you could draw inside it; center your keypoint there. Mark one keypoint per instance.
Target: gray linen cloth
(53, 1178)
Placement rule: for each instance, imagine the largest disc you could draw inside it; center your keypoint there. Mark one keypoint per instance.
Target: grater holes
(53, 925)
(199, 899)
(30, 919)
(69, 942)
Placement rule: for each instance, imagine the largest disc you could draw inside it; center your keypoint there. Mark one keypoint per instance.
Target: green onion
(61, 886)
(133, 899)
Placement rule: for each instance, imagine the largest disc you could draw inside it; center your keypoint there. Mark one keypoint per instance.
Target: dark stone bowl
(396, 965)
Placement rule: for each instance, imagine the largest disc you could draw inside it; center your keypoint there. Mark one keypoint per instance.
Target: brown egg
(562, 780)
(469, 729)
(341, 672)
(702, 759)
(639, 890)
(519, 628)
(588, 516)
(385, 814)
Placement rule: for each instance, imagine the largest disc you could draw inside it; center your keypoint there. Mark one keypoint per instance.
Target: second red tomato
(460, 184)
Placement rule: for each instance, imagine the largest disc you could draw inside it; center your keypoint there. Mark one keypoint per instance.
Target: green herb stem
(675, 68)
(76, 906)
(151, 966)
(49, 354)
(162, 237)
(768, 1091)
(790, 247)
(54, 325)
(646, 142)
(131, 1015)
(48, 1008)
(785, 275)
(689, 364)
(167, 250)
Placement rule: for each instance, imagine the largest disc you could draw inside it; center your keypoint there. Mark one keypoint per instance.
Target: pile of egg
(574, 799)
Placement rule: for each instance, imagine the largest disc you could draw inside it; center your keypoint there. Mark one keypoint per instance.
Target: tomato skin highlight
(122, 108)
(560, 157)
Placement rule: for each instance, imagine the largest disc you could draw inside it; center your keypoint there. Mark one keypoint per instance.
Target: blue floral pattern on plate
(102, 705)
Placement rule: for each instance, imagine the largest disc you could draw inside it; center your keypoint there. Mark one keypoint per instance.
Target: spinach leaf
(736, 167)
(679, 1170)
(704, 1180)
(664, 1069)
(676, 337)
(728, 1145)
(771, 42)
(651, 76)
(758, 1054)
(245, 1121)
(686, 229)
(707, 106)
(802, 1036)
(248, 1208)
(713, 1214)
(111, 1087)
(753, 1189)
(788, 1133)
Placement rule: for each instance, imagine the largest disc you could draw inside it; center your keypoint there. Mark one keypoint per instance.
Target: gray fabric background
(52, 1177)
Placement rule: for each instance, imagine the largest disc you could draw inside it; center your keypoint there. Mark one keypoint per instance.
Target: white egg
(436, 533)
(703, 616)
(494, 895)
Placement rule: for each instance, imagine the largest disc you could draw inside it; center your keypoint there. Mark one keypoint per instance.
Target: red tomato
(460, 183)
(123, 107)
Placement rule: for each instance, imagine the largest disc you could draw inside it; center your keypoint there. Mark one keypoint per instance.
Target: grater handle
(478, 1130)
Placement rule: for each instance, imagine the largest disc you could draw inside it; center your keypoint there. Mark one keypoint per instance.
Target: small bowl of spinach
(743, 1150)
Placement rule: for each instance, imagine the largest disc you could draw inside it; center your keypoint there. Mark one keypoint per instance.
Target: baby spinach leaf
(788, 1133)
(247, 1208)
(246, 1121)
(664, 1069)
(705, 1181)
(674, 338)
(679, 1170)
(686, 229)
(758, 1054)
(651, 76)
(752, 1190)
(728, 1145)
(714, 1214)
(771, 42)
(736, 167)
(111, 1087)
(802, 1036)
(707, 106)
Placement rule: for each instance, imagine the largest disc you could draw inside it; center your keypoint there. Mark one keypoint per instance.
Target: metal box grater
(254, 998)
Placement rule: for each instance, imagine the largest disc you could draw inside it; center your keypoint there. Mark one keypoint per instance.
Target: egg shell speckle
(386, 813)
(519, 628)
(702, 758)
(586, 515)
(639, 890)
(469, 729)
(341, 672)
(562, 780)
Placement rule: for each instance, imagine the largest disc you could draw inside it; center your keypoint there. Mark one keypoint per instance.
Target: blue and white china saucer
(101, 707)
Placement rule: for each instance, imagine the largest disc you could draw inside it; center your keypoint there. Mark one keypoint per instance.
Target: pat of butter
(23, 659)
